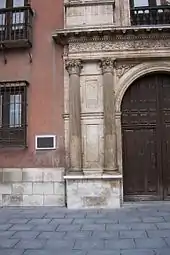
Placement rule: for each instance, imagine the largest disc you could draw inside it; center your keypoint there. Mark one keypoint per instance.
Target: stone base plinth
(93, 191)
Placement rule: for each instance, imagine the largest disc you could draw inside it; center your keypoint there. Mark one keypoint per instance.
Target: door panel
(141, 180)
(166, 162)
(165, 134)
(146, 138)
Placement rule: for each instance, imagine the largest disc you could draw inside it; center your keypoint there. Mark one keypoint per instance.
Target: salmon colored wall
(45, 92)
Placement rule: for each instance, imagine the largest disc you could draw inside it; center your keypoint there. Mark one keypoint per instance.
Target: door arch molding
(133, 74)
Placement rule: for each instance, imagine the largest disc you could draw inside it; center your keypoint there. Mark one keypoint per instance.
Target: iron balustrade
(159, 15)
(16, 25)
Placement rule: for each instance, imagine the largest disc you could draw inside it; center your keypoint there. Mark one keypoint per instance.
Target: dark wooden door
(146, 138)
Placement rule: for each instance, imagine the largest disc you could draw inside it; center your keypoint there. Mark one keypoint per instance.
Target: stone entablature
(122, 38)
(94, 43)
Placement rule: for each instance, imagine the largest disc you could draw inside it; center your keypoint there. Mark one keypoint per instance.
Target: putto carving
(122, 69)
(107, 65)
(73, 66)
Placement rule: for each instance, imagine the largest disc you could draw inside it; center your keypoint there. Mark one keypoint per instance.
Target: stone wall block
(59, 188)
(12, 200)
(22, 188)
(0, 199)
(32, 175)
(53, 175)
(43, 188)
(32, 200)
(1, 175)
(54, 200)
(5, 189)
(12, 175)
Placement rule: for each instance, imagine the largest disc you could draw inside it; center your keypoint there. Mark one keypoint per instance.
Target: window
(150, 12)
(140, 3)
(18, 17)
(2, 16)
(151, 3)
(13, 114)
(12, 3)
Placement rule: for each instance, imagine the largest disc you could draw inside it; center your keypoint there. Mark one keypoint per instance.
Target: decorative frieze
(111, 45)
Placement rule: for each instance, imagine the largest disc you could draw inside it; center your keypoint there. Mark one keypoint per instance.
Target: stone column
(110, 148)
(74, 68)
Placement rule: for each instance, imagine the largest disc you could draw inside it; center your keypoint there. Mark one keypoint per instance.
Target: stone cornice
(110, 33)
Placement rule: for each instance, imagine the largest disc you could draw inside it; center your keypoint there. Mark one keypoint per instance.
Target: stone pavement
(136, 230)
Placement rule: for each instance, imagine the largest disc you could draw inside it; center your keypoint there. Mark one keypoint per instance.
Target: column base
(87, 191)
(73, 172)
(113, 171)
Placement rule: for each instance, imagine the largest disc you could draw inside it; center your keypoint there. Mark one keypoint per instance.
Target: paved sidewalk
(142, 230)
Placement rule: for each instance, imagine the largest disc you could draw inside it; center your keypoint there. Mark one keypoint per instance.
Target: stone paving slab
(133, 230)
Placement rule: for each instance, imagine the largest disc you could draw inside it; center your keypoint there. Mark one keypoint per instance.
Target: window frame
(13, 136)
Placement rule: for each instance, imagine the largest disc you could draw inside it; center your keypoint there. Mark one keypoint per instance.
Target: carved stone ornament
(122, 69)
(73, 66)
(107, 65)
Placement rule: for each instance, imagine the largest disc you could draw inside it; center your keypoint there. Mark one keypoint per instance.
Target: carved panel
(92, 144)
(91, 93)
(89, 15)
(121, 69)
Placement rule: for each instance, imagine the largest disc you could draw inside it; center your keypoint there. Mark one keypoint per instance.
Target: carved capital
(74, 66)
(107, 65)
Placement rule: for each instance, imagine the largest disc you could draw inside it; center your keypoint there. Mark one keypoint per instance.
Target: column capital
(73, 66)
(107, 65)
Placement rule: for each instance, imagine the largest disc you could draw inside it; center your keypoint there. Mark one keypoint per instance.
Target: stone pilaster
(74, 67)
(110, 148)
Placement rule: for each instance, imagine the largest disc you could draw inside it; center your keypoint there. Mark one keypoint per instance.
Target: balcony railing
(16, 27)
(159, 15)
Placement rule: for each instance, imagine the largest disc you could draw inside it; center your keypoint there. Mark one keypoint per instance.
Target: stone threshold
(92, 177)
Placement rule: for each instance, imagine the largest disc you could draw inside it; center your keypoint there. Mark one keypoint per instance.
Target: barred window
(13, 104)
(18, 17)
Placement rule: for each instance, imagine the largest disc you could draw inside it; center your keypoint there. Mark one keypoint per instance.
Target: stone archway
(124, 83)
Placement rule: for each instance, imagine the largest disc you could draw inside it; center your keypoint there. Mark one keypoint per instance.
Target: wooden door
(146, 138)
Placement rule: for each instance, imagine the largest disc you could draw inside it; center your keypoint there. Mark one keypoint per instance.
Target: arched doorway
(146, 138)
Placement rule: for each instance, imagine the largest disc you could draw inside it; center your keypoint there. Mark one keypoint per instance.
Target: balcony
(16, 27)
(159, 15)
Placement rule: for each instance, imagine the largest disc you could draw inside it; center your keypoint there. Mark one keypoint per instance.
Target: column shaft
(110, 144)
(75, 147)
